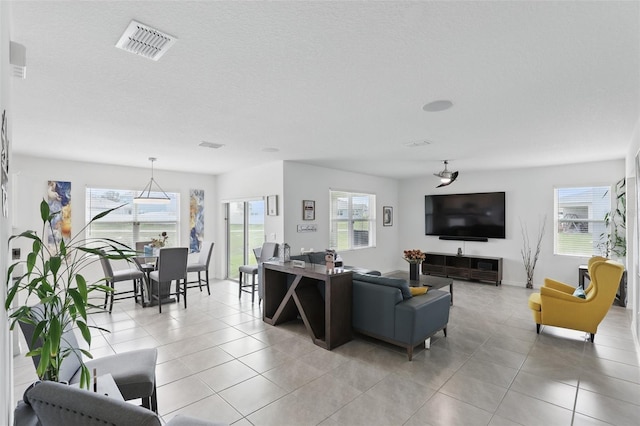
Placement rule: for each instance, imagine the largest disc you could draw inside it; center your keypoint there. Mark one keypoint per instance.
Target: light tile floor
(218, 360)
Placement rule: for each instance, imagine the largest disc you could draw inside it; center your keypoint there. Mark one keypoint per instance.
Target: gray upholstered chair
(112, 277)
(249, 270)
(269, 251)
(134, 372)
(172, 266)
(202, 265)
(57, 404)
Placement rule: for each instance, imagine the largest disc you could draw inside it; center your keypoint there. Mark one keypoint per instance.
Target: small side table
(621, 295)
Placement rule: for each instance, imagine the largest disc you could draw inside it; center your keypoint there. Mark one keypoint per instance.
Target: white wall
(32, 174)
(529, 196)
(6, 370)
(249, 184)
(633, 244)
(305, 182)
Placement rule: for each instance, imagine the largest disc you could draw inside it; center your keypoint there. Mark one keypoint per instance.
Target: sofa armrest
(421, 316)
(373, 308)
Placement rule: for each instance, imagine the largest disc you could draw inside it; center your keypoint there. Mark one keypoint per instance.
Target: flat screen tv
(469, 217)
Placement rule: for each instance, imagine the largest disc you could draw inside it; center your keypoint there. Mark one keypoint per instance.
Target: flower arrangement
(414, 256)
(160, 241)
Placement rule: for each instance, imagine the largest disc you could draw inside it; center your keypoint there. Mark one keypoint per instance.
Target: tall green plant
(614, 240)
(53, 277)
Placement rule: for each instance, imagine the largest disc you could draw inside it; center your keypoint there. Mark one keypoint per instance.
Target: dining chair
(201, 265)
(264, 253)
(171, 266)
(249, 270)
(112, 277)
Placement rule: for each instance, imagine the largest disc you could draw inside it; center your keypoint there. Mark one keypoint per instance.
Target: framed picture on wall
(308, 210)
(272, 205)
(387, 216)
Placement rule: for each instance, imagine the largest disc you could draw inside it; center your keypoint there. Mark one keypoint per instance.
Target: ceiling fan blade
(454, 176)
(444, 184)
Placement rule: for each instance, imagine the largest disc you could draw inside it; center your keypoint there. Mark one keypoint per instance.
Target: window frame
(351, 221)
(592, 222)
(170, 223)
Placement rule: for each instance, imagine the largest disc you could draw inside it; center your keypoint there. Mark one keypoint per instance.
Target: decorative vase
(414, 271)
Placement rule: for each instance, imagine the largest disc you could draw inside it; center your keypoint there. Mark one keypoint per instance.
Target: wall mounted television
(465, 217)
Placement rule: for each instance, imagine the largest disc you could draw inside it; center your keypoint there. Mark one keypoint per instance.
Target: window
(353, 220)
(580, 220)
(132, 222)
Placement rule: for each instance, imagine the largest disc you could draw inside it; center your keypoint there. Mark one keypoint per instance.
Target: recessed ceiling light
(268, 149)
(436, 106)
(414, 144)
(212, 145)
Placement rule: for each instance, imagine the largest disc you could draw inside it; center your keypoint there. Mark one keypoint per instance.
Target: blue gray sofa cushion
(389, 282)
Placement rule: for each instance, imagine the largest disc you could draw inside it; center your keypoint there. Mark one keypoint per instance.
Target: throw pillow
(579, 293)
(417, 291)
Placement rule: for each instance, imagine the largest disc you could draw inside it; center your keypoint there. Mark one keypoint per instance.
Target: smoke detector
(145, 41)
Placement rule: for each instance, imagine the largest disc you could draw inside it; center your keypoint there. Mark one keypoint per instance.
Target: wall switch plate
(15, 254)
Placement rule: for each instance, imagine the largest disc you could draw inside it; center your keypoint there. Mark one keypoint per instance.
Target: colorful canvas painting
(196, 220)
(59, 199)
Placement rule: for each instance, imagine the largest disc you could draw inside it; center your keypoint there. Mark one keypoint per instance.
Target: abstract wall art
(196, 220)
(59, 199)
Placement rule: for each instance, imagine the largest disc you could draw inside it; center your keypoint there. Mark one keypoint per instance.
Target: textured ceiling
(336, 84)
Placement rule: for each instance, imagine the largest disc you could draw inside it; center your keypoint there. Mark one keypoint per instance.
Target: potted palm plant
(53, 279)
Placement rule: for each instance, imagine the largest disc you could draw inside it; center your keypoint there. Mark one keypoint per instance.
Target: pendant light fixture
(446, 177)
(146, 197)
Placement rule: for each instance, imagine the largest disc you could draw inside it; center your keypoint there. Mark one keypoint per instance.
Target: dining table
(147, 264)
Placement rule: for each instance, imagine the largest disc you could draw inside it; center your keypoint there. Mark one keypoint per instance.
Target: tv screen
(465, 216)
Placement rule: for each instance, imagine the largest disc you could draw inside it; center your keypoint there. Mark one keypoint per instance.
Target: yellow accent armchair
(557, 306)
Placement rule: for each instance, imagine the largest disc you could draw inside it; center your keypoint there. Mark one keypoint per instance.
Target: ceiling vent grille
(145, 41)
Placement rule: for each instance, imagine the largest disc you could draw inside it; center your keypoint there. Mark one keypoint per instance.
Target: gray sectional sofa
(385, 309)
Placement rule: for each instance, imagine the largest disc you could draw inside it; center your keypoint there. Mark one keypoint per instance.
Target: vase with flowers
(158, 243)
(415, 259)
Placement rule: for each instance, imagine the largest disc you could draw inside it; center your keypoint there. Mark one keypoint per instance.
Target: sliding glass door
(245, 231)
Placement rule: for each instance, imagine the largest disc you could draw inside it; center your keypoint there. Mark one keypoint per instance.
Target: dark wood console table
(322, 299)
(480, 268)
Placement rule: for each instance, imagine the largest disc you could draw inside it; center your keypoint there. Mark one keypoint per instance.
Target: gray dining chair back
(256, 253)
(172, 266)
(112, 277)
(269, 251)
(172, 263)
(200, 266)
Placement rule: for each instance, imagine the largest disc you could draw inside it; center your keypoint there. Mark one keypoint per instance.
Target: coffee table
(424, 281)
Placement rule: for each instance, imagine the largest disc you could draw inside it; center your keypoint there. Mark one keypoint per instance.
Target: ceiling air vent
(145, 41)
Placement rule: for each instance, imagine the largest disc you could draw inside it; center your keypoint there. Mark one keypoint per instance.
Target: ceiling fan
(446, 177)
